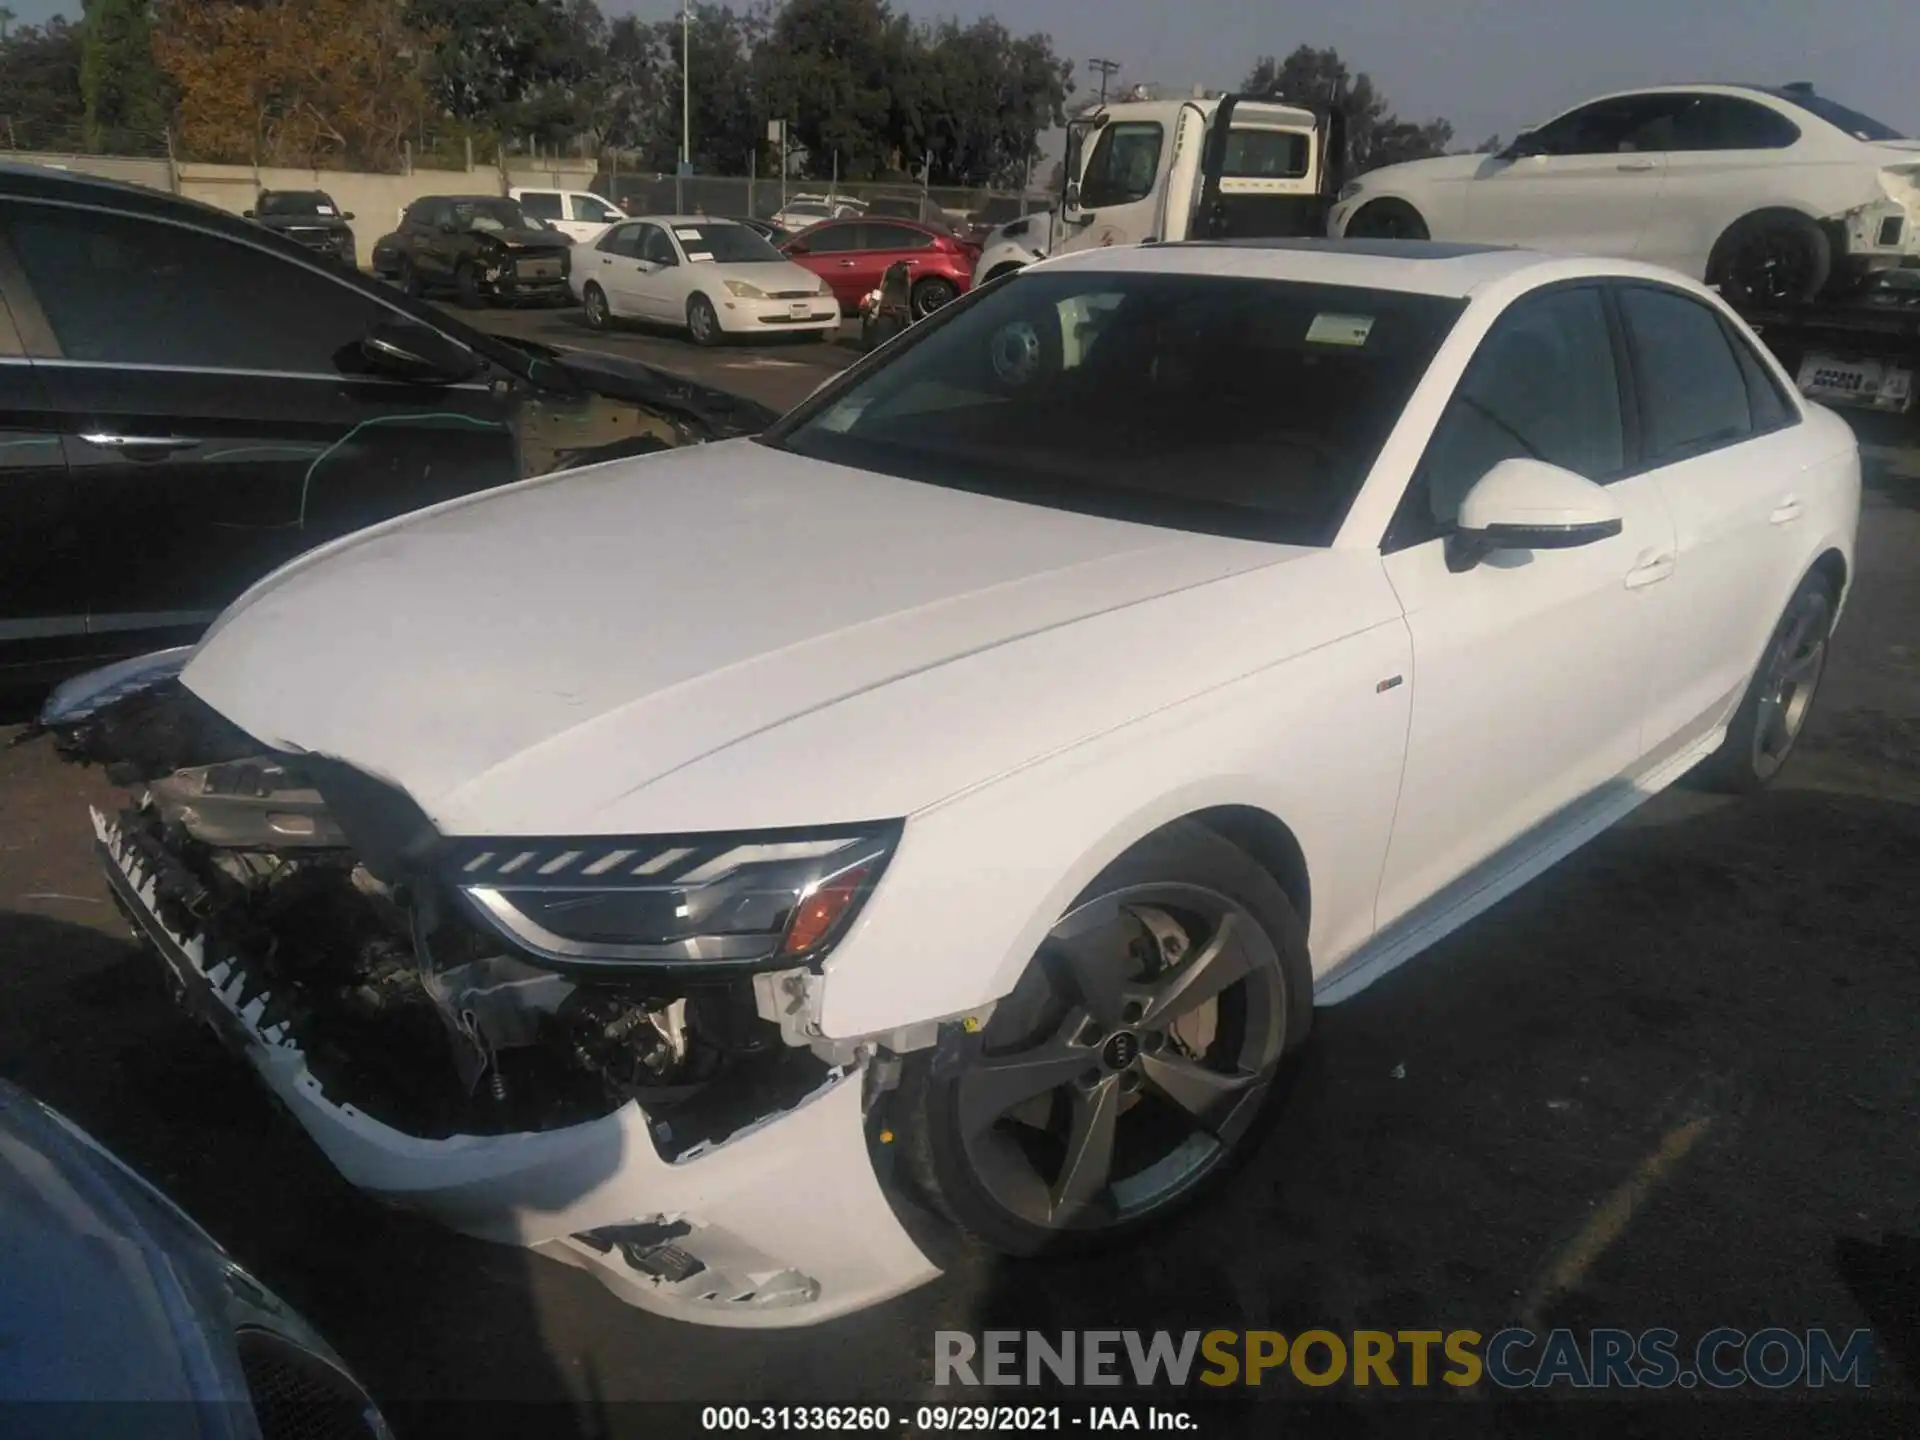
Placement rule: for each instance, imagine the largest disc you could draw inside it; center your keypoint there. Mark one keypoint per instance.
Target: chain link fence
(954, 208)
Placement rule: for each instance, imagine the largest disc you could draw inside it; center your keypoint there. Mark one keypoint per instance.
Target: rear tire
(703, 322)
(1773, 713)
(466, 279)
(1387, 220)
(1772, 257)
(1133, 1067)
(599, 313)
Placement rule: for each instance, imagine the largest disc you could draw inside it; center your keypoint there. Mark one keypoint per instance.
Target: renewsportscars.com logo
(1514, 1358)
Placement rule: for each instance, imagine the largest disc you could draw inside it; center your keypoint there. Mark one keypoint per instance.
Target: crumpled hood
(519, 661)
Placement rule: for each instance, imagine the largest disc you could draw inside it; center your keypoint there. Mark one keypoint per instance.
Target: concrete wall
(375, 201)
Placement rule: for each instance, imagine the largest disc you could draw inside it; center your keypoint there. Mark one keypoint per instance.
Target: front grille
(792, 294)
(538, 267)
(298, 1396)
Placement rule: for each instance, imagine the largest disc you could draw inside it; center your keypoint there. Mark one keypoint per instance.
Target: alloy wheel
(1792, 675)
(1129, 1063)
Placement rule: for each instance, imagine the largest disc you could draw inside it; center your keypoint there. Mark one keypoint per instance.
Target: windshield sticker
(323, 210)
(1330, 329)
(842, 417)
(688, 234)
(698, 255)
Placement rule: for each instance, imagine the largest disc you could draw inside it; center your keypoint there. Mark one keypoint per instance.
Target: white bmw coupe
(734, 870)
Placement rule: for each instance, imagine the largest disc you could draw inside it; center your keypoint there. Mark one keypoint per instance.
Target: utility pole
(1106, 69)
(686, 101)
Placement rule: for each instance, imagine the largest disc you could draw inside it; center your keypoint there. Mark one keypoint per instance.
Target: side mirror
(1530, 505)
(1073, 195)
(449, 227)
(347, 216)
(248, 214)
(797, 247)
(408, 350)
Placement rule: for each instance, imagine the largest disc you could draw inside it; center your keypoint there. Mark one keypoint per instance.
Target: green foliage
(41, 107)
(122, 90)
(1375, 135)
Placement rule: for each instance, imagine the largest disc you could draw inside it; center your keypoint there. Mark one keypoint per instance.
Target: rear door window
(1693, 397)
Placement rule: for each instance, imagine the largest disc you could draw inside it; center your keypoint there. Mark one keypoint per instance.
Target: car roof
(1422, 267)
(681, 220)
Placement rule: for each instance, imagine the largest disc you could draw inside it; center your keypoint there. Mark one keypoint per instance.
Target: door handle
(846, 264)
(1635, 165)
(1787, 511)
(1649, 570)
(139, 442)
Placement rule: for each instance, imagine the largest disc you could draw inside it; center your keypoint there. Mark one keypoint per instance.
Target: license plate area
(1843, 380)
(538, 269)
(799, 309)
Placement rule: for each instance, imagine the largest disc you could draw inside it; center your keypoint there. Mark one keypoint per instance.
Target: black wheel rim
(931, 296)
(1129, 1062)
(1772, 266)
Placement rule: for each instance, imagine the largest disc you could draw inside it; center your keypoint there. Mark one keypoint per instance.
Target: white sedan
(714, 277)
(1769, 194)
(700, 868)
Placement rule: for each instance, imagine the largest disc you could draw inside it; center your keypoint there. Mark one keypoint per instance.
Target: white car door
(1118, 192)
(664, 281)
(615, 266)
(1728, 157)
(1712, 423)
(1585, 182)
(588, 216)
(1530, 667)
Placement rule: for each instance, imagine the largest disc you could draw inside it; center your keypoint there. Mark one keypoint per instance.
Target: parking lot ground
(1675, 1082)
(779, 371)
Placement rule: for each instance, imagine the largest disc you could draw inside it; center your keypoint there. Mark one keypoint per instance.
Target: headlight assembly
(720, 901)
(745, 290)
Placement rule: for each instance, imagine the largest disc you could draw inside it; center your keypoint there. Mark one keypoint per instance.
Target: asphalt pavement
(1674, 1082)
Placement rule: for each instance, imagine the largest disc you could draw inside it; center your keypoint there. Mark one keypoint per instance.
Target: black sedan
(188, 401)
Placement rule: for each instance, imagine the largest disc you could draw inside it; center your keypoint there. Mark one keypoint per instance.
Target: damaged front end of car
(597, 1047)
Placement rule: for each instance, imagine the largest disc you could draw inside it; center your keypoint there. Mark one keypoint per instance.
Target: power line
(1106, 69)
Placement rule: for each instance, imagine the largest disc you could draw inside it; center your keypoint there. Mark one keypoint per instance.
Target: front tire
(410, 279)
(703, 322)
(1133, 1065)
(931, 295)
(1387, 220)
(1773, 713)
(466, 280)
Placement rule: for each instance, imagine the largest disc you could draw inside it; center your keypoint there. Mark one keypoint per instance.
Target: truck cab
(1151, 170)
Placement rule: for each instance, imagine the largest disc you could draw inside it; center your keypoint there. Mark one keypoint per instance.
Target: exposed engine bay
(400, 1003)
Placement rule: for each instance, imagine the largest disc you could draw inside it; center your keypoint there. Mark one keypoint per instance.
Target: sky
(1489, 66)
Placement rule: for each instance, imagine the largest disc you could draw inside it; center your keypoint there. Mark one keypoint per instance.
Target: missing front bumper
(785, 1217)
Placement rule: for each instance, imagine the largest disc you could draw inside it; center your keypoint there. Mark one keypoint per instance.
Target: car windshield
(1222, 405)
(298, 202)
(725, 245)
(1861, 127)
(493, 215)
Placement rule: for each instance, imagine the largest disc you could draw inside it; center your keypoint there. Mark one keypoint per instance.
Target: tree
(1375, 135)
(120, 85)
(515, 67)
(41, 107)
(295, 82)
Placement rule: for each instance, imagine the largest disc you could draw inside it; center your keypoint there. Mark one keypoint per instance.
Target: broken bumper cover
(783, 1223)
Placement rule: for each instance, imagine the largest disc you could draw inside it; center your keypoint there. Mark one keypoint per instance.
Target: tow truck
(1140, 171)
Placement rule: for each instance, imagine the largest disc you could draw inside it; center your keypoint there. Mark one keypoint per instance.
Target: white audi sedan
(716, 278)
(1772, 194)
(739, 870)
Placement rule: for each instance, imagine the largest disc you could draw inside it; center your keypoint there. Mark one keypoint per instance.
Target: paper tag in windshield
(323, 209)
(698, 255)
(1330, 329)
(688, 234)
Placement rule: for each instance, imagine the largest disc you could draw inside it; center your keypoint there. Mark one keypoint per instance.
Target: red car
(851, 255)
